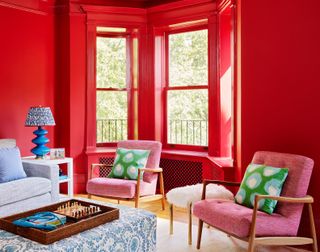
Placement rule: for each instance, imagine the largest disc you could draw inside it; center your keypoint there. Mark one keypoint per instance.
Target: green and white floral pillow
(263, 180)
(127, 163)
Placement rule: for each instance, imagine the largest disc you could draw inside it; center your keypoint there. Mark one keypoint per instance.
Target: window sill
(184, 153)
(222, 162)
(100, 150)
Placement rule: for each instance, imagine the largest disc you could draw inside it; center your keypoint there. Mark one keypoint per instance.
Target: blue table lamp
(40, 116)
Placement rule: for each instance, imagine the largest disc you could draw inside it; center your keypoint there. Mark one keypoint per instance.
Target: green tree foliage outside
(188, 58)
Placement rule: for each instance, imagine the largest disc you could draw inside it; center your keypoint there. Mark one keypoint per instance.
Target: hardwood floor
(180, 214)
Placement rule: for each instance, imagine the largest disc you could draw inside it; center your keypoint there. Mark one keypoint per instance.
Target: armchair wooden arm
(155, 170)
(219, 182)
(93, 166)
(306, 199)
(289, 240)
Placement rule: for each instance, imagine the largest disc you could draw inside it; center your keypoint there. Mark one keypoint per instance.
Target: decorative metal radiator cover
(104, 171)
(178, 173)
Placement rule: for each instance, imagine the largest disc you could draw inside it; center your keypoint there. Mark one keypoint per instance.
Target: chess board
(81, 215)
(76, 211)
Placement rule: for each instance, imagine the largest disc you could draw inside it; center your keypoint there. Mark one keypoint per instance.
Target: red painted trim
(185, 147)
(91, 86)
(178, 5)
(130, 100)
(97, 150)
(122, 3)
(113, 34)
(32, 7)
(186, 87)
(160, 80)
(214, 90)
(165, 96)
(112, 89)
(115, 16)
(114, 10)
(234, 80)
(187, 27)
(160, 17)
(236, 62)
(223, 4)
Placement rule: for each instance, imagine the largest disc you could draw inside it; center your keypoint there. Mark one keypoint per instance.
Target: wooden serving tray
(72, 226)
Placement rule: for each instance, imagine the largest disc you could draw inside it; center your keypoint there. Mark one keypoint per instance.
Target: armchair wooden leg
(313, 229)
(199, 233)
(136, 202)
(252, 234)
(171, 219)
(190, 224)
(251, 244)
(137, 196)
(89, 196)
(162, 190)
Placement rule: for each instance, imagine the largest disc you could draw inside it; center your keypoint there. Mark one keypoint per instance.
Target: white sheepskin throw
(183, 196)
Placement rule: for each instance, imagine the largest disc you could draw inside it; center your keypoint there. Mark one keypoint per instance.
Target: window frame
(129, 35)
(167, 87)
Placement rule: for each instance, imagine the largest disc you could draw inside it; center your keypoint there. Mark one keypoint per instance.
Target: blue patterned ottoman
(135, 230)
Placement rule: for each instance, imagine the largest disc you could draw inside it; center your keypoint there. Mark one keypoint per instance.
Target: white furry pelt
(183, 196)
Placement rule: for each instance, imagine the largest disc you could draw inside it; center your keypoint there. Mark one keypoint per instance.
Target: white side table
(67, 160)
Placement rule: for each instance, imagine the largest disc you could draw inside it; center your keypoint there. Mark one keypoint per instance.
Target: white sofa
(39, 188)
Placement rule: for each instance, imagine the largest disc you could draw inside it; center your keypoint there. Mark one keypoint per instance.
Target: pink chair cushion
(154, 156)
(119, 188)
(236, 219)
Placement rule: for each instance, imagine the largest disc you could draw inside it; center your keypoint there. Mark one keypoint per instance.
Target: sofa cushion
(10, 165)
(21, 189)
(236, 219)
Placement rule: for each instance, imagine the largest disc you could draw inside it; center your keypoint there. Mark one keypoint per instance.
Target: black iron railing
(188, 132)
(111, 130)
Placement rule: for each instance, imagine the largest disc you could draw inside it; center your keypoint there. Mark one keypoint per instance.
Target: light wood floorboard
(180, 214)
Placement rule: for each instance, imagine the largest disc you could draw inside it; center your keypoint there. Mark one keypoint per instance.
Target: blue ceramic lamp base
(41, 149)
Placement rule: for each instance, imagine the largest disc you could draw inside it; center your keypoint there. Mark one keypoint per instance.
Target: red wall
(26, 72)
(280, 82)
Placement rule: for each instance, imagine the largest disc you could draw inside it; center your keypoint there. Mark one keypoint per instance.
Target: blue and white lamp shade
(40, 116)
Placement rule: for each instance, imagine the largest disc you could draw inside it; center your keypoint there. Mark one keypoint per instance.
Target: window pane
(188, 117)
(188, 58)
(112, 116)
(111, 62)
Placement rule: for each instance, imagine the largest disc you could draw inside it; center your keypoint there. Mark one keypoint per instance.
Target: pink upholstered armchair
(258, 227)
(138, 190)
